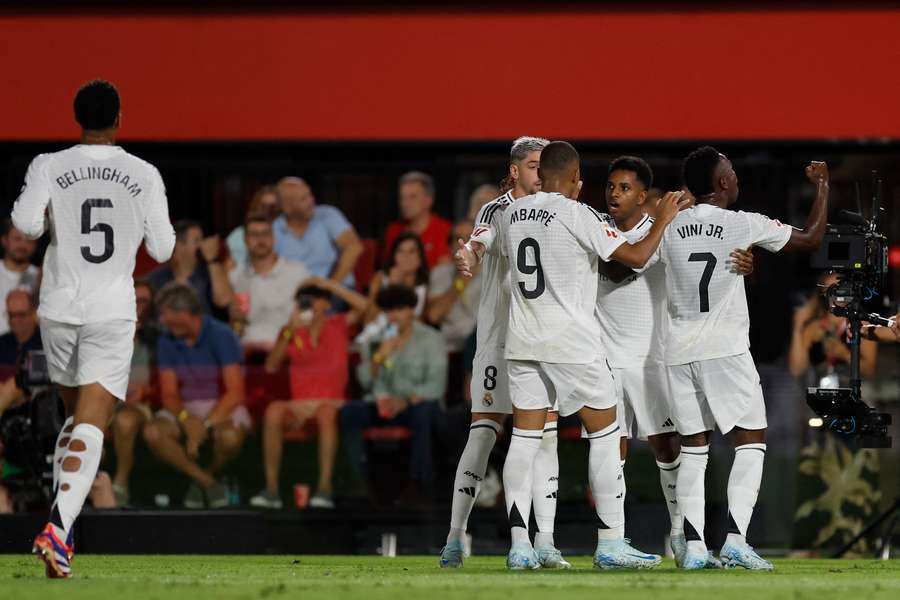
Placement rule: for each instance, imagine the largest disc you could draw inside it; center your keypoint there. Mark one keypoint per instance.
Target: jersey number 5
(530, 269)
(104, 228)
(710, 259)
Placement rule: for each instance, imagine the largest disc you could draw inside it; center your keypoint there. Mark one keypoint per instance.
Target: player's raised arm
(637, 255)
(809, 238)
(29, 211)
(159, 235)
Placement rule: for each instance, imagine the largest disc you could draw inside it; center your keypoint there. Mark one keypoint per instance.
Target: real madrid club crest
(488, 399)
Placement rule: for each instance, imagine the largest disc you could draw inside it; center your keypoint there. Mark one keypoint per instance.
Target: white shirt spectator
(271, 298)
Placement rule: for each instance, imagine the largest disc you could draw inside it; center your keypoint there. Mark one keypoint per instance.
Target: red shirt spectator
(319, 372)
(416, 197)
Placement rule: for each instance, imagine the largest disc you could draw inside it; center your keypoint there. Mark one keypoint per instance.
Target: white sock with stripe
(545, 486)
(668, 481)
(84, 452)
(470, 474)
(604, 469)
(691, 494)
(518, 475)
(743, 488)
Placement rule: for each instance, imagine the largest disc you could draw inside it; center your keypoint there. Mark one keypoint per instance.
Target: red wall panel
(461, 75)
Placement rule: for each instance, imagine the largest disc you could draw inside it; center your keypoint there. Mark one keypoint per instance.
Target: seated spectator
(483, 194)
(264, 201)
(317, 235)
(264, 287)
(315, 344)
(16, 271)
(407, 376)
(201, 388)
(24, 333)
(136, 411)
(452, 299)
(406, 265)
(416, 199)
(195, 262)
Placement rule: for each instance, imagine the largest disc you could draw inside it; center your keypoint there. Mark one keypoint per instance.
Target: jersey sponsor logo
(468, 491)
(488, 399)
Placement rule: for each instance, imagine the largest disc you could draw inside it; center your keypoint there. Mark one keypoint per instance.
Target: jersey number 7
(710, 259)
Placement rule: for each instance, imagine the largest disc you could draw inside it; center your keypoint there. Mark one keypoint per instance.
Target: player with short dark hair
(712, 377)
(102, 202)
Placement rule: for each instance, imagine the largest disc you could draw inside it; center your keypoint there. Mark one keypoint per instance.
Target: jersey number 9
(527, 268)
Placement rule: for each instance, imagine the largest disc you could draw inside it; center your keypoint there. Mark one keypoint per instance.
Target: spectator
(17, 270)
(483, 194)
(319, 236)
(136, 411)
(264, 201)
(201, 389)
(407, 376)
(315, 343)
(195, 262)
(452, 299)
(406, 265)
(264, 287)
(23, 335)
(416, 192)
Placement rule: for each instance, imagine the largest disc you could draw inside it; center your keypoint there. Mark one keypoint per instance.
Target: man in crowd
(407, 376)
(416, 199)
(201, 387)
(267, 283)
(317, 235)
(16, 270)
(452, 299)
(195, 262)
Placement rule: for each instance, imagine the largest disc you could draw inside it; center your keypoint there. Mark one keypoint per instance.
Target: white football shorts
(564, 386)
(490, 384)
(644, 407)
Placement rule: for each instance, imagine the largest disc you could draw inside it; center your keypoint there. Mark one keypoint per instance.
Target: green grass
(373, 578)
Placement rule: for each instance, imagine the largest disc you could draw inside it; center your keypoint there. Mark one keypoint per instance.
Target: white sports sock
(62, 443)
(470, 474)
(668, 477)
(604, 471)
(743, 488)
(691, 491)
(545, 486)
(518, 473)
(74, 486)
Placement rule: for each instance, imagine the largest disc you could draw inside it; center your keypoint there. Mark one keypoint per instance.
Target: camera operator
(820, 345)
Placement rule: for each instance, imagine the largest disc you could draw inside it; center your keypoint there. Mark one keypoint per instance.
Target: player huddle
(638, 325)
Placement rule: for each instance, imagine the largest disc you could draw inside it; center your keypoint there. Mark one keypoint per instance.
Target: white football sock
(62, 444)
(690, 493)
(743, 488)
(604, 471)
(518, 474)
(470, 474)
(545, 486)
(623, 490)
(668, 477)
(74, 486)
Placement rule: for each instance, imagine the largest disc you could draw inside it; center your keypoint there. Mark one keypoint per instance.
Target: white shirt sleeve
(485, 231)
(29, 211)
(159, 235)
(767, 233)
(594, 232)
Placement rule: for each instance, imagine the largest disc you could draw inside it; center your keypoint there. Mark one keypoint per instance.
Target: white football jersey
(707, 302)
(553, 244)
(632, 313)
(493, 305)
(98, 203)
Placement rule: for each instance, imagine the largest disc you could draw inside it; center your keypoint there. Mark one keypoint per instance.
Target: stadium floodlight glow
(816, 422)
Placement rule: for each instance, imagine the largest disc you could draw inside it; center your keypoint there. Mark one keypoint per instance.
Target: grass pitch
(373, 578)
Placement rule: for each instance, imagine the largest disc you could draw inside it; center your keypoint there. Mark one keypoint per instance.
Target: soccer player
(712, 378)
(490, 388)
(632, 312)
(98, 203)
(553, 346)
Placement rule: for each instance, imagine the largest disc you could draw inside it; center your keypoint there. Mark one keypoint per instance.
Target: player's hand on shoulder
(669, 206)
(817, 172)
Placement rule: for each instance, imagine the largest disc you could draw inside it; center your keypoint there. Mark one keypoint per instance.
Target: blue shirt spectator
(198, 367)
(319, 236)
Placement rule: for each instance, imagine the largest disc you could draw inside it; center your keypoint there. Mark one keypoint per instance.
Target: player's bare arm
(809, 238)
(635, 256)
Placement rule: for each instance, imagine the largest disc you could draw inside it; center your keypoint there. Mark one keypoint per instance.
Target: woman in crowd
(315, 344)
